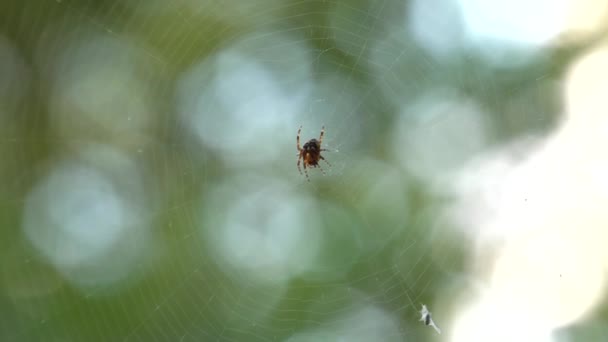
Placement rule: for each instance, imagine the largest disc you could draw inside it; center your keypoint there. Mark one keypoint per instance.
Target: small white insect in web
(425, 316)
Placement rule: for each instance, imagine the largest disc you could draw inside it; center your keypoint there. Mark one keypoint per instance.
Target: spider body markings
(310, 154)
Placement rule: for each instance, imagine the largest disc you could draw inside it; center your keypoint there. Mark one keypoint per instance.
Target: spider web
(198, 139)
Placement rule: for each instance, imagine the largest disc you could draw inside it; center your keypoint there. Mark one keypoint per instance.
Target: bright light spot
(241, 105)
(496, 190)
(584, 139)
(262, 231)
(505, 33)
(586, 86)
(84, 223)
(511, 33)
(587, 17)
(496, 319)
(437, 26)
(437, 134)
(548, 207)
(519, 22)
(549, 274)
(89, 216)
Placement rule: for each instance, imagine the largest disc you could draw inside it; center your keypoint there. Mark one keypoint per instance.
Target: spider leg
(320, 156)
(298, 138)
(306, 172)
(322, 171)
(299, 169)
(321, 136)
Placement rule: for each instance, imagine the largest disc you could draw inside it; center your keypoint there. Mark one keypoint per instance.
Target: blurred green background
(148, 180)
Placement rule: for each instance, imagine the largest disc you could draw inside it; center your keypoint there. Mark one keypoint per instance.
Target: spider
(310, 154)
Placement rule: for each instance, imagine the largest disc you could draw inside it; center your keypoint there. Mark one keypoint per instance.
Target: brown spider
(310, 154)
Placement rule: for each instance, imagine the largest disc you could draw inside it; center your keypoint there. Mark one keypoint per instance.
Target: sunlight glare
(496, 319)
(515, 21)
(437, 26)
(549, 210)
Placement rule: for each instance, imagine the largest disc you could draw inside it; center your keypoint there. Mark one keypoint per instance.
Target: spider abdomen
(311, 159)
